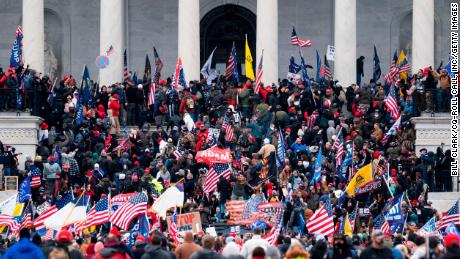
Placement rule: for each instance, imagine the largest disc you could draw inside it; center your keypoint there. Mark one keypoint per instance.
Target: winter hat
(64, 236)
(451, 240)
(266, 141)
(114, 231)
(116, 96)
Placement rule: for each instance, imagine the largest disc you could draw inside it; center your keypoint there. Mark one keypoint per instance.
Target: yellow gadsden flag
(362, 177)
(248, 61)
(347, 229)
(401, 59)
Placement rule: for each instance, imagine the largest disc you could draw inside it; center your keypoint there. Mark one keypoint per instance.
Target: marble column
(422, 34)
(267, 39)
(112, 34)
(345, 42)
(33, 26)
(189, 38)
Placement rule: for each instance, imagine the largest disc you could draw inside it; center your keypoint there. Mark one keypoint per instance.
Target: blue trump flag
(395, 216)
(25, 192)
(303, 66)
(16, 49)
(318, 67)
(79, 116)
(141, 228)
(235, 66)
(318, 167)
(86, 94)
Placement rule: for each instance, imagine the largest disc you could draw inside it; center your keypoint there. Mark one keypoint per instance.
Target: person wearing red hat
(452, 244)
(114, 112)
(65, 239)
(113, 247)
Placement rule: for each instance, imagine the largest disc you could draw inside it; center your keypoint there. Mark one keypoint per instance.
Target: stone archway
(222, 26)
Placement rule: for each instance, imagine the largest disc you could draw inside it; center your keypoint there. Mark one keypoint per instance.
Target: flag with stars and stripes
(9, 221)
(452, 216)
(125, 67)
(228, 129)
(232, 65)
(392, 131)
(390, 78)
(212, 177)
(296, 41)
(322, 221)
(340, 151)
(173, 232)
(392, 103)
(259, 75)
(36, 180)
(151, 100)
(429, 229)
(326, 70)
(135, 206)
(272, 236)
(99, 213)
(39, 222)
(158, 66)
(178, 153)
(381, 224)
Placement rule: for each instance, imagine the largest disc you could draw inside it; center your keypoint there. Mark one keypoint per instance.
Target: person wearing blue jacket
(24, 248)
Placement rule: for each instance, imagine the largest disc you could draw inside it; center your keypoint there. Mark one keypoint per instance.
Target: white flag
(206, 70)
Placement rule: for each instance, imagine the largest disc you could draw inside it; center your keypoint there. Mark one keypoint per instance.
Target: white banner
(330, 53)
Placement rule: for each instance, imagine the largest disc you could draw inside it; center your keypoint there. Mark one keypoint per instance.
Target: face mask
(296, 103)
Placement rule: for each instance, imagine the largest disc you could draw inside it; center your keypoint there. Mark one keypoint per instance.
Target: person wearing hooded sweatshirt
(24, 248)
(185, 250)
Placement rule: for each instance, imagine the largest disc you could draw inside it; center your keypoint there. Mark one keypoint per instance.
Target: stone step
(443, 201)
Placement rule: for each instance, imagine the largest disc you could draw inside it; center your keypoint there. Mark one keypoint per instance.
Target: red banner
(214, 155)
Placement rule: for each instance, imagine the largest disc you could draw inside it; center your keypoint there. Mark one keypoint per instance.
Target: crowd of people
(88, 147)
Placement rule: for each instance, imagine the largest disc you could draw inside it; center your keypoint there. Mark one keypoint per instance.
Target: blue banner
(16, 49)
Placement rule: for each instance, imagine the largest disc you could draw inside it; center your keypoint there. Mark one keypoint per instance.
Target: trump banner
(16, 50)
(214, 155)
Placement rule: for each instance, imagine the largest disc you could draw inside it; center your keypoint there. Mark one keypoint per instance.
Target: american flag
(109, 51)
(173, 232)
(259, 74)
(394, 70)
(452, 216)
(231, 66)
(228, 129)
(391, 103)
(392, 131)
(299, 42)
(158, 65)
(134, 207)
(124, 145)
(178, 153)
(310, 122)
(152, 93)
(9, 221)
(125, 67)
(404, 66)
(39, 222)
(429, 229)
(322, 220)
(272, 236)
(36, 177)
(49, 235)
(381, 224)
(325, 71)
(212, 178)
(99, 213)
(340, 151)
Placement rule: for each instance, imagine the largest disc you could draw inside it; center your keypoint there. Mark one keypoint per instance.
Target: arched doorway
(220, 28)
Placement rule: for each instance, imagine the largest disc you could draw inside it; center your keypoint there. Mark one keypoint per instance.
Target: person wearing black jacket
(155, 250)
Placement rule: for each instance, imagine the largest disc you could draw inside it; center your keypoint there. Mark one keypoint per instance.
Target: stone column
(33, 26)
(422, 34)
(111, 33)
(189, 38)
(267, 40)
(345, 42)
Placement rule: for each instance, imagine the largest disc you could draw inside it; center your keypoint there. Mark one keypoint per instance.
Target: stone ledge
(442, 201)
